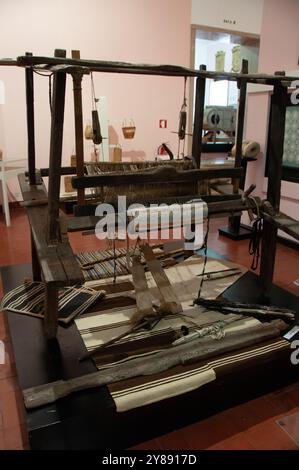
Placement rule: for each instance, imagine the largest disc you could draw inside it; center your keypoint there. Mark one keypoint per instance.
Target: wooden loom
(52, 258)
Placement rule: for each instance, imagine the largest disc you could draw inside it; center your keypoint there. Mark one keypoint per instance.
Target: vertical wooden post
(275, 155)
(51, 311)
(29, 82)
(234, 222)
(58, 102)
(198, 117)
(36, 270)
(30, 121)
(77, 86)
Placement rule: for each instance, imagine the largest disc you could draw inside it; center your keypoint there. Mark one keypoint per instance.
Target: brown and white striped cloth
(97, 328)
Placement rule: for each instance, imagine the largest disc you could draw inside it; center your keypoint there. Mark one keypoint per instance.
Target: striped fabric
(96, 328)
(104, 269)
(29, 299)
(182, 379)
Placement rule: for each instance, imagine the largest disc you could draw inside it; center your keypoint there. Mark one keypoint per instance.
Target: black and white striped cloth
(29, 299)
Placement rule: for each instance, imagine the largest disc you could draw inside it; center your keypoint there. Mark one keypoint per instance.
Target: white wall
(235, 15)
(148, 31)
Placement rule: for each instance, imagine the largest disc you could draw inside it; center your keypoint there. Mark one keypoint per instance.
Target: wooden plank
(193, 352)
(215, 207)
(198, 117)
(69, 263)
(58, 102)
(65, 170)
(36, 192)
(151, 69)
(234, 222)
(169, 300)
(276, 141)
(77, 93)
(163, 175)
(36, 269)
(285, 223)
(143, 296)
(51, 311)
(30, 121)
(57, 261)
(77, 224)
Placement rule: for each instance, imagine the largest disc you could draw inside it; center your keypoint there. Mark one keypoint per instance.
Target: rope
(49, 75)
(205, 247)
(255, 243)
(256, 235)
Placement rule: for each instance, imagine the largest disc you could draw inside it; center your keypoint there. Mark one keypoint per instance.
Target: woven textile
(103, 268)
(99, 327)
(29, 299)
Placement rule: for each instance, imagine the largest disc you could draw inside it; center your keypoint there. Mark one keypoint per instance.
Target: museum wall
(155, 31)
(236, 15)
(277, 52)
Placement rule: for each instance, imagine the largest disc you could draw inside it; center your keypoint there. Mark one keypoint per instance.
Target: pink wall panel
(155, 31)
(279, 50)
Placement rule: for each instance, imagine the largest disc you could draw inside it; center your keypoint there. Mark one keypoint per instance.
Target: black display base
(244, 233)
(88, 419)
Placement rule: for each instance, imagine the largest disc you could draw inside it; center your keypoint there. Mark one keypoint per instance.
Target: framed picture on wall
(290, 165)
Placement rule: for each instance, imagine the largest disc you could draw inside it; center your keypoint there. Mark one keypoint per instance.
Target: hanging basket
(129, 130)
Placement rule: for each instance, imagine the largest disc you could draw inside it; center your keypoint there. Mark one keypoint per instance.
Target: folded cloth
(29, 299)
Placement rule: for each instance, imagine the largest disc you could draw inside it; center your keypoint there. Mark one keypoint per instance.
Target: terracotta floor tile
(2, 445)
(269, 436)
(285, 399)
(1, 420)
(251, 413)
(4, 333)
(236, 442)
(174, 441)
(13, 438)
(208, 432)
(247, 426)
(148, 445)
(8, 369)
(8, 403)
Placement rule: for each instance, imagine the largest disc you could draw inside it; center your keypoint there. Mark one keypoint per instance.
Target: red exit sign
(163, 123)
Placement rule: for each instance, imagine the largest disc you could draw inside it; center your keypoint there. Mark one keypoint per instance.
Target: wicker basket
(129, 131)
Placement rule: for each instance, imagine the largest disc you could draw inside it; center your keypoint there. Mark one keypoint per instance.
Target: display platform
(88, 420)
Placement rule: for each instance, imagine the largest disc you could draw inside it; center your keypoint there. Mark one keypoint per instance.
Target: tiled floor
(248, 426)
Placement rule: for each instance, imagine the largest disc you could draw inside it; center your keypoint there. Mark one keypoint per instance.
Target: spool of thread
(212, 118)
(117, 153)
(250, 149)
(88, 133)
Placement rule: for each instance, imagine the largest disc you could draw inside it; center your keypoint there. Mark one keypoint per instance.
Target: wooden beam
(51, 311)
(168, 298)
(284, 222)
(275, 152)
(198, 117)
(77, 90)
(163, 175)
(234, 222)
(57, 262)
(58, 102)
(30, 121)
(143, 296)
(152, 69)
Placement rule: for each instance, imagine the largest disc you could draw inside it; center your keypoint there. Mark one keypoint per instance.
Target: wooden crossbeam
(148, 69)
(169, 300)
(163, 175)
(57, 261)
